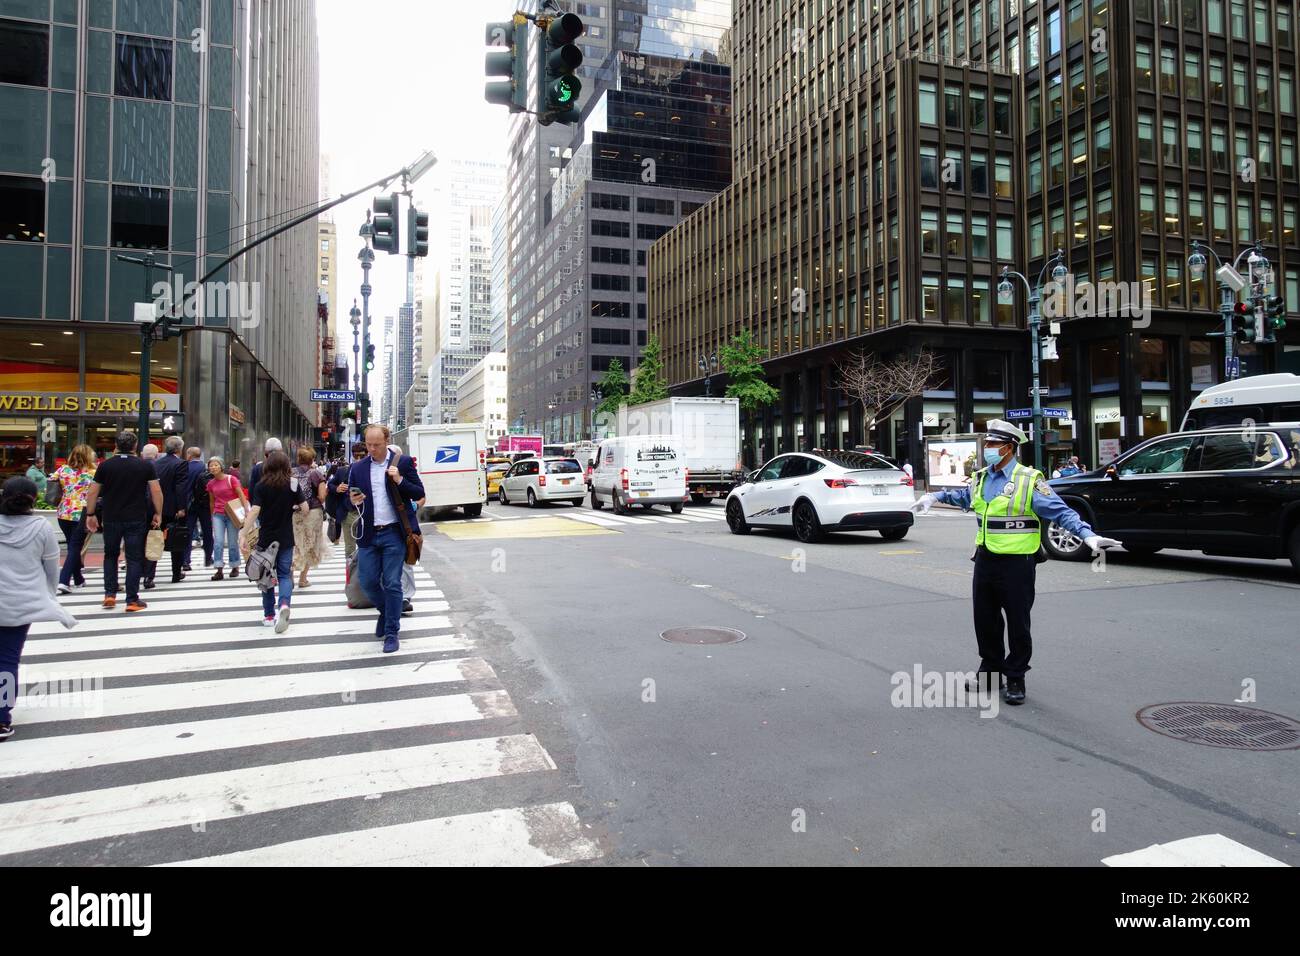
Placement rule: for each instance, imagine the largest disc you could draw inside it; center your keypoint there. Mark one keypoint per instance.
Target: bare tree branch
(881, 386)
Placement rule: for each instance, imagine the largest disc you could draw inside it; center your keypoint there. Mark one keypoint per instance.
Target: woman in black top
(275, 499)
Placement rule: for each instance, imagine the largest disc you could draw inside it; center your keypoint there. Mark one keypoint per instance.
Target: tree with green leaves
(648, 384)
(745, 378)
(612, 389)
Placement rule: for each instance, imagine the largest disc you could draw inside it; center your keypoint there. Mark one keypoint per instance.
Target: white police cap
(998, 430)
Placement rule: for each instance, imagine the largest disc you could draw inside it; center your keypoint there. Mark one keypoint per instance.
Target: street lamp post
(708, 366)
(1035, 292)
(1227, 276)
(367, 258)
(593, 398)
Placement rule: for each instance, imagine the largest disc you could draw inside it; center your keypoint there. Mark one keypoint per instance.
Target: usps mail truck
(451, 460)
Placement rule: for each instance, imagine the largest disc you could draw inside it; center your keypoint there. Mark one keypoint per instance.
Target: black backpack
(199, 496)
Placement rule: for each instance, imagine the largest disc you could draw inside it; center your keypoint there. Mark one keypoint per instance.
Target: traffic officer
(1010, 501)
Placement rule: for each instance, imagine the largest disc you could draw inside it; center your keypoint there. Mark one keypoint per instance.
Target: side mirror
(1111, 473)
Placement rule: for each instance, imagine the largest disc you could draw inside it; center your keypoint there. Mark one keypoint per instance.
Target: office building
(118, 136)
(481, 395)
(914, 150)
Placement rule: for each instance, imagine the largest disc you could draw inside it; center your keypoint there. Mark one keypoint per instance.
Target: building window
(1219, 148)
(324, 245)
(979, 173)
(929, 167)
(979, 236)
(1168, 70)
(1056, 163)
(929, 298)
(24, 53)
(954, 301)
(1216, 79)
(22, 210)
(930, 232)
(1003, 176)
(1147, 208)
(1195, 144)
(144, 68)
(978, 112)
(929, 104)
(1173, 207)
(952, 98)
(1078, 153)
(955, 237)
(611, 201)
(1006, 238)
(1035, 171)
(1196, 213)
(1079, 219)
(1145, 69)
(140, 217)
(1192, 74)
(658, 207)
(1103, 213)
(1220, 216)
(1002, 114)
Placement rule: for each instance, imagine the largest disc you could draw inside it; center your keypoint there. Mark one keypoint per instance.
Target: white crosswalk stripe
(191, 712)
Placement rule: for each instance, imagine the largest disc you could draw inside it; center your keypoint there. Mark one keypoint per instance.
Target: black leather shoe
(147, 585)
(982, 681)
(407, 608)
(1015, 691)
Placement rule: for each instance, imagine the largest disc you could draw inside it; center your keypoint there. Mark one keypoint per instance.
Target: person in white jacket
(29, 578)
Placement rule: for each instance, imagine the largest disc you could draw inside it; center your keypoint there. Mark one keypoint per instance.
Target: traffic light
(1275, 310)
(417, 232)
(384, 225)
(1243, 321)
(370, 357)
(558, 86)
(514, 91)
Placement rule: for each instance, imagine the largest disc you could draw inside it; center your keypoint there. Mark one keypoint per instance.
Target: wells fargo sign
(85, 403)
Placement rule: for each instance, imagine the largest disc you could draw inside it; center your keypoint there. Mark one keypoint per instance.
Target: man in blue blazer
(381, 543)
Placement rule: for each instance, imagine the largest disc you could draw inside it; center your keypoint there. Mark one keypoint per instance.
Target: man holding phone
(382, 543)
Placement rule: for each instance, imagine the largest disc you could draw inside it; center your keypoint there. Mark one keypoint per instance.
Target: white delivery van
(1262, 399)
(710, 431)
(451, 462)
(646, 470)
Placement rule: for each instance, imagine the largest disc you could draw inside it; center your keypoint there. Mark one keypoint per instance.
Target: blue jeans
(200, 519)
(284, 577)
(380, 566)
(222, 529)
(131, 534)
(74, 532)
(11, 648)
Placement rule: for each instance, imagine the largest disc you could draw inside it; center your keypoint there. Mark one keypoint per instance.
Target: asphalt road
(787, 746)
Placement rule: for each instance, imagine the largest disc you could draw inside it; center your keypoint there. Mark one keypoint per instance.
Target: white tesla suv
(824, 491)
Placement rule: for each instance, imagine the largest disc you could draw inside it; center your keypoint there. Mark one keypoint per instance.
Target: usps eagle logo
(446, 454)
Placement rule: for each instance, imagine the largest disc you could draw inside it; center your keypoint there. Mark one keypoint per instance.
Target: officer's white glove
(923, 504)
(1096, 542)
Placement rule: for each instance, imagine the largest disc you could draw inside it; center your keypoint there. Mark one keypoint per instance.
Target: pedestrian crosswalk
(199, 737)
(605, 518)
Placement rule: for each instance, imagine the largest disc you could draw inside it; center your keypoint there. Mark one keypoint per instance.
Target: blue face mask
(992, 456)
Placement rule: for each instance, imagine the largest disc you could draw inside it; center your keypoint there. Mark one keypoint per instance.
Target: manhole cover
(1222, 725)
(703, 635)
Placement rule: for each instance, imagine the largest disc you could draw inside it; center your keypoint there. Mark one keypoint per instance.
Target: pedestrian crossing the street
(189, 734)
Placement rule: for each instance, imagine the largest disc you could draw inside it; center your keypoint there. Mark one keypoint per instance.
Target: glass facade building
(135, 125)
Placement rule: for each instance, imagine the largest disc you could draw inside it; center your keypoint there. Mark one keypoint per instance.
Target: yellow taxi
(496, 470)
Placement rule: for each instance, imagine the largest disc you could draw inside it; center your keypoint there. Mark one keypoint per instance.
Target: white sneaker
(65, 589)
(268, 621)
(282, 622)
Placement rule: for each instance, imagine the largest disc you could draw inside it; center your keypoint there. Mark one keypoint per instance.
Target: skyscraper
(891, 160)
(120, 135)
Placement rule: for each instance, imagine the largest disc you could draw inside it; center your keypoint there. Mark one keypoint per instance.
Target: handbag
(54, 493)
(153, 545)
(178, 536)
(260, 566)
(356, 594)
(414, 539)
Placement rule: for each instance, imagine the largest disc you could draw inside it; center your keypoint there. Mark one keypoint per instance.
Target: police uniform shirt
(1045, 503)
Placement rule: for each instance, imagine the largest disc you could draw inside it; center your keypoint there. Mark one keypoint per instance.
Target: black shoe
(982, 682)
(1015, 692)
(207, 562)
(219, 575)
(406, 607)
(147, 585)
(186, 567)
(178, 578)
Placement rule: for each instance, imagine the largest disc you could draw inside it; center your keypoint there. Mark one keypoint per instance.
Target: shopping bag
(355, 593)
(153, 545)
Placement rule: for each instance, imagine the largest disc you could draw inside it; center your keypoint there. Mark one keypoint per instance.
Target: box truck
(451, 462)
(709, 431)
(515, 444)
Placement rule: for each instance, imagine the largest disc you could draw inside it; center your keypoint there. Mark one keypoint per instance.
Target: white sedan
(825, 491)
(536, 480)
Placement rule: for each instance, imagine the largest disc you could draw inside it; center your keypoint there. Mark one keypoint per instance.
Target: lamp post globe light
(1006, 294)
(1231, 283)
(708, 365)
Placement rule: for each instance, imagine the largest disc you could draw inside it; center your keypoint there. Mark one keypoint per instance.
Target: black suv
(1224, 491)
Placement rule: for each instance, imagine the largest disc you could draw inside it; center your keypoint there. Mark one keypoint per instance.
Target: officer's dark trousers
(1004, 584)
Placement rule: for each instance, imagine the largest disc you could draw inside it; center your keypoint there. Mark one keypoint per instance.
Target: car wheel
(1063, 545)
(806, 526)
(473, 511)
(736, 518)
(620, 506)
(677, 508)
(532, 499)
(501, 495)
(893, 534)
(596, 503)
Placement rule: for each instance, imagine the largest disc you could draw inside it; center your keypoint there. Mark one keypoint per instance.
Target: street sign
(1014, 413)
(1232, 367)
(1041, 391)
(332, 395)
(1056, 413)
(169, 423)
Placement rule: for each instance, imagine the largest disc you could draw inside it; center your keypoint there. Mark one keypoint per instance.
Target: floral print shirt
(76, 484)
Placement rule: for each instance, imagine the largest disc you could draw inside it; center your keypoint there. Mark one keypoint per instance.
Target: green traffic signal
(370, 358)
(384, 224)
(558, 87)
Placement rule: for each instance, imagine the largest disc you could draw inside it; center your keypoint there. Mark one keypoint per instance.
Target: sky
(398, 77)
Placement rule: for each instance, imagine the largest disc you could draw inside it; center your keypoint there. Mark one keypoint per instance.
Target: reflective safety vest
(1007, 524)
